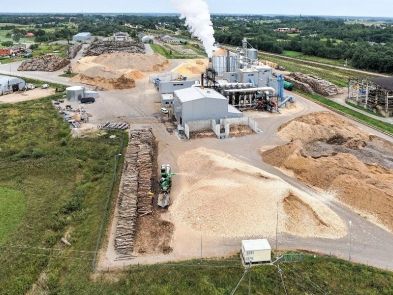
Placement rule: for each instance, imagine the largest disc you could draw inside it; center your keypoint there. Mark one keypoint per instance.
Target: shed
(148, 39)
(199, 104)
(11, 84)
(75, 93)
(256, 251)
(82, 37)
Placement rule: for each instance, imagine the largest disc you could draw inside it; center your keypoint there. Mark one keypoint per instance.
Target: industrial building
(82, 37)
(373, 94)
(198, 104)
(244, 81)
(10, 84)
(256, 251)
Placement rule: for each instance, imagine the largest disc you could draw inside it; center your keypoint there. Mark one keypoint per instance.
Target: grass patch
(12, 210)
(161, 50)
(57, 49)
(336, 76)
(302, 56)
(363, 109)
(382, 126)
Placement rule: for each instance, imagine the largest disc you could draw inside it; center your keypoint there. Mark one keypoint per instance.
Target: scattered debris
(46, 63)
(103, 47)
(74, 49)
(114, 126)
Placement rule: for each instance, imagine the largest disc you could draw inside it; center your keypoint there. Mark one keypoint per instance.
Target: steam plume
(197, 16)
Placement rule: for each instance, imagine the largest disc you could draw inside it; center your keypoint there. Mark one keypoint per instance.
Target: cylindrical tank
(252, 54)
(75, 93)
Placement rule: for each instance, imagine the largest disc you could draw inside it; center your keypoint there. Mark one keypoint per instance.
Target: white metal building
(172, 86)
(147, 39)
(121, 36)
(10, 84)
(82, 37)
(256, 251)
(198, 104)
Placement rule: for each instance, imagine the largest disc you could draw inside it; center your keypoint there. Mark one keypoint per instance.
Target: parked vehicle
(88, 100)
(164, 111)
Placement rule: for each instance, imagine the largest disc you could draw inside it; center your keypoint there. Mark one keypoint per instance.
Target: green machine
(165, 186)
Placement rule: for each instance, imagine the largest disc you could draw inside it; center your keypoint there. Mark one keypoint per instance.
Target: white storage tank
(256, 251)
(252, 54)
(75, 93)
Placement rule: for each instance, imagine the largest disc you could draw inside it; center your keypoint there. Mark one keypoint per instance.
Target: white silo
(75, 93)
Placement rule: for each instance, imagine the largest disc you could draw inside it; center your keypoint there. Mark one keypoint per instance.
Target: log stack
(135, 197)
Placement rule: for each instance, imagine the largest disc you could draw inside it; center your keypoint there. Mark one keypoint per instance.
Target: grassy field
(12, 209)
(171, 54)
(43, 48)
(336, 76)
(301, 56)
(385, 127)
(65, 182)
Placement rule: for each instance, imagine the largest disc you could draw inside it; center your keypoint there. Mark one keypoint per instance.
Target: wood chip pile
(135, 197)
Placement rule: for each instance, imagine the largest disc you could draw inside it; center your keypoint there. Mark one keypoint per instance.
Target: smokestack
(198, 20)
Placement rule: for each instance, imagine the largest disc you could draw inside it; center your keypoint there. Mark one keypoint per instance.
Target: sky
(375, 8)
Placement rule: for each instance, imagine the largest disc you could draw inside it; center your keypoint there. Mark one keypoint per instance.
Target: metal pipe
(268, 89)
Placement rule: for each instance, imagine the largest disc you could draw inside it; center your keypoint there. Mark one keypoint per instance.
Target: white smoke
(197, 16)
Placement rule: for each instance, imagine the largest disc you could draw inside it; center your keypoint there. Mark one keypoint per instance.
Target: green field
(302, 56)
(12, 210)
(336, 76)
(171, 54)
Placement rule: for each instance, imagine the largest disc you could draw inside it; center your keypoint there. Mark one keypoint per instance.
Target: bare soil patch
(26, 95)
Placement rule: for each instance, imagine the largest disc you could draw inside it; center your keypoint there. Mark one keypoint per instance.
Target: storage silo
(252, 54)
(75, 93)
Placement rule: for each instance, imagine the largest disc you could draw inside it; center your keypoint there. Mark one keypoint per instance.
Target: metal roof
(195, 93)
(83, 34)
(5, 79)
(384, 82)
(256, 245)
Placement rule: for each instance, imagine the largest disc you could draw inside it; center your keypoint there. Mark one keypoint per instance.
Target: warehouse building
(199, 104)
(256, 251)
(11, 84)
(82, 37)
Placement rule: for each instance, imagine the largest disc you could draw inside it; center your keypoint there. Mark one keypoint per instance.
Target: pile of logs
(103, 47)
(312, 84)
(135, 197)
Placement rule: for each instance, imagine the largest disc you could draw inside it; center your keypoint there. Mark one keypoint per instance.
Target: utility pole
(277, 229)
(350, 239)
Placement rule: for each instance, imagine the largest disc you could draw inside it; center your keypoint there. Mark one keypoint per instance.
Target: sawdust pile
(117, 70)
(225, 197)
(330, 153)
(192, 67)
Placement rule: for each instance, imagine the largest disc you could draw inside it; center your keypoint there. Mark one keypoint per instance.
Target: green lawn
(12, 210)
(336, 76)
(301, 56)
(171, 54)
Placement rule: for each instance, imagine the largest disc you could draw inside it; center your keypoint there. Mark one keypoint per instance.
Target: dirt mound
(321, 125)
(301, 215)
(117, 70)
(223, 196)
(340, 158)
(46, 63)
(191, 67)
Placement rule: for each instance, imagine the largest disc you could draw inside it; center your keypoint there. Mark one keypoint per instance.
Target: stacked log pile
(313, 84)
(135, 189)
(46, 63)
(102, 47)
(73, 50)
